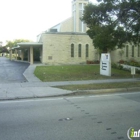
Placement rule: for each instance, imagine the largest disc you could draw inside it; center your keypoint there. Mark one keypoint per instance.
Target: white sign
(133, 71)
(105, 64)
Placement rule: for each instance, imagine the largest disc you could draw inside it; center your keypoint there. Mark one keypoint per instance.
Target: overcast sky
(25, 19)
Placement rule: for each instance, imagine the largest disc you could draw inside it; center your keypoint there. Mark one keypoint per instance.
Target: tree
(112, 23)
(101, 27)
(129, 17)
(3, 50)
(14, 42)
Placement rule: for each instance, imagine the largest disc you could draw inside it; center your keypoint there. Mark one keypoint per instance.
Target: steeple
(77, 12)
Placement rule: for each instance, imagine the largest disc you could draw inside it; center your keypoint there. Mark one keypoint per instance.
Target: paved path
(11, 71)
(17, 81)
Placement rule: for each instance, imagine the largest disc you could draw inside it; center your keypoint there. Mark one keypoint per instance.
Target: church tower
(77, 12)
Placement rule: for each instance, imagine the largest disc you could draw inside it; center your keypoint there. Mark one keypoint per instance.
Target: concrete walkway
(29, 73)
(35, 88)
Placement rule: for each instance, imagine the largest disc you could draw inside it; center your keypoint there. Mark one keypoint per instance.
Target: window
(72, 50)
(132, 51)
(80, 22)
(87, 47)
(74, 21)
(80, 6)
(138, 50)
(79, 50)
(127, 51)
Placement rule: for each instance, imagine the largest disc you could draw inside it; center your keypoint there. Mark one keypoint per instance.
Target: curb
(104, 91)
(34, 97)
(31, 78)
(78, 93)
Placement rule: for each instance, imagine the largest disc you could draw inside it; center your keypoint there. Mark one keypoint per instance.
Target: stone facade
(66, 26)
(130, 52)
(57, 48)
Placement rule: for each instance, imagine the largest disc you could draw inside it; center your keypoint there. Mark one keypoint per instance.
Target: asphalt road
(106, 117)
(12, 71)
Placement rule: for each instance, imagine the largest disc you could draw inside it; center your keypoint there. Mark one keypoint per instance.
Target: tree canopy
(3, 50)
(112, 23)
(14, 42)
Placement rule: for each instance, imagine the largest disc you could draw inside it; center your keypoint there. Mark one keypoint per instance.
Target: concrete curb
(29, 74)
(103, 91)
(78, 93)
(34, 97)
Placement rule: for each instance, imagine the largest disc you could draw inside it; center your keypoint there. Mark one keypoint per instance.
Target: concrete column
(10, 54)
(16, 54)
(31, 55)
(41, 54)
(22, 55)
(43, 60)
(28, 55)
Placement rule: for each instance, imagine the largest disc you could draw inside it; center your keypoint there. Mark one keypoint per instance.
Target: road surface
(106, 117)
(12, 71)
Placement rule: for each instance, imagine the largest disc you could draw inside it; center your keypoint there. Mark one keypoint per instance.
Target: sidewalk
(34, 88)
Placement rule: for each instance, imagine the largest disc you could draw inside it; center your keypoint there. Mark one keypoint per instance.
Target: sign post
(105, 64)
(133, 71)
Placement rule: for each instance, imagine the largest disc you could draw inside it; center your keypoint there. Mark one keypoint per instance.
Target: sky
(25, 19)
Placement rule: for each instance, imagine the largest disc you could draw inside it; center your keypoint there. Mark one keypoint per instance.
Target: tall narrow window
(87, 47)
(72, 50)
(127, 51)
(132, 51)
(138, 50)
(79, 50)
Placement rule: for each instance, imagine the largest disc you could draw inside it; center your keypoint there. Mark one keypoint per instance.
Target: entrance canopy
(29, 46)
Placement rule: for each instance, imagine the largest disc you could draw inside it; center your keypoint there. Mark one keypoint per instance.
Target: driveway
(12, 71)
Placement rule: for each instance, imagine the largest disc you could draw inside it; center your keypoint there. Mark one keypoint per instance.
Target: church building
(68, 43)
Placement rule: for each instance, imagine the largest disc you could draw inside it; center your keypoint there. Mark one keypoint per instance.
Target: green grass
(101, 86)
(76, 72)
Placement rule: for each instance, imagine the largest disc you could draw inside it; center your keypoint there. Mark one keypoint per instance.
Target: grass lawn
(101, 86)
(77, 72)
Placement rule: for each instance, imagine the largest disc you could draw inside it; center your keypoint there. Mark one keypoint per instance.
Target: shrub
(132, 62)
(138, 71)
(96, 62)
(120, 67)
(121, 61)
(18, 58)
(114, 65)
(93, 62)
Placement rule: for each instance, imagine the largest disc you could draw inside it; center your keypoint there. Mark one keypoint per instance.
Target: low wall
(129, 67)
